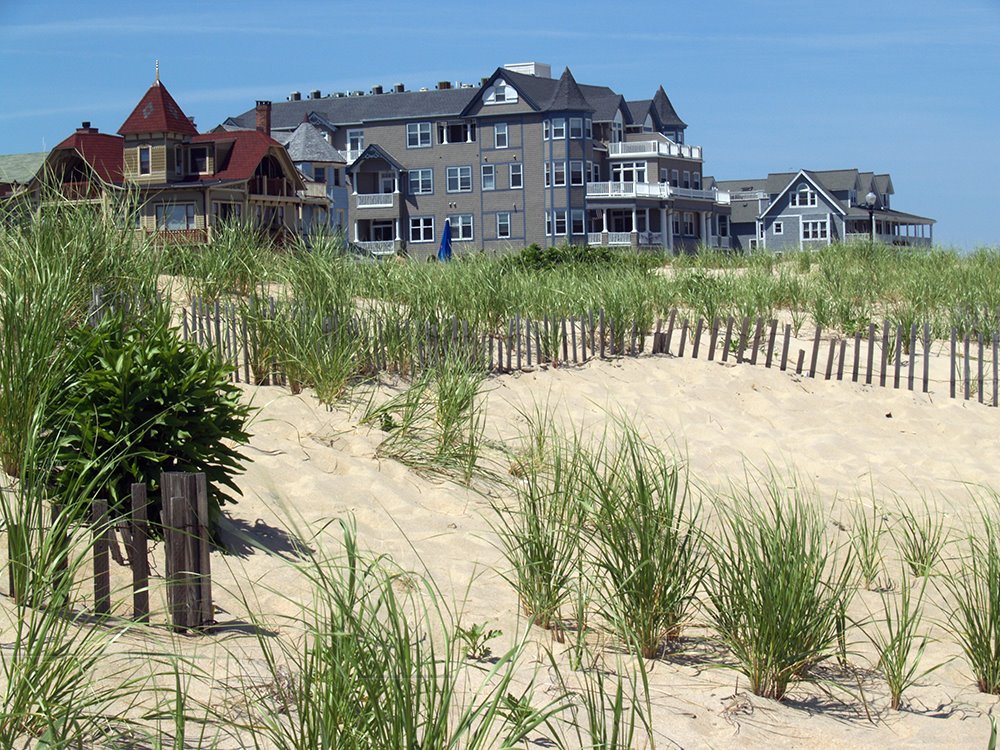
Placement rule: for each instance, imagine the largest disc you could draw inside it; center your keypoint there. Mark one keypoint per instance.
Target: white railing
(657, 190)
(595, 238)
(619, 238)
(651, 238)
(315, 189)
(382, 247)
(375, 200)
(654, 148)
(889, 239)
(748, 195)
(351, 155)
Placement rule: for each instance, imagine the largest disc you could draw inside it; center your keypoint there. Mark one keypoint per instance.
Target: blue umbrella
(444, 252)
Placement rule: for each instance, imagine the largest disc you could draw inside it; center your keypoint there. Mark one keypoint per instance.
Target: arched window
(804, 195)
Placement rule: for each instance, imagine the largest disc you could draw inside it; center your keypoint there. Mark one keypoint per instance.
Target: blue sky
(910, 88)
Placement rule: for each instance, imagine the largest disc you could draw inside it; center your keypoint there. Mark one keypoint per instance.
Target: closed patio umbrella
(444, 252)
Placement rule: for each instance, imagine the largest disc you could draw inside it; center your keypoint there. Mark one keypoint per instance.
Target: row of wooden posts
(884, 355)
(185, 528)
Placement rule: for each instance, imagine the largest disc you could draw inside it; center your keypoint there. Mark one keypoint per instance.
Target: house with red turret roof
(185, 183)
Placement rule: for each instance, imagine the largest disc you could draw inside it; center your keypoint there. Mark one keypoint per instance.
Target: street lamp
(870, 202)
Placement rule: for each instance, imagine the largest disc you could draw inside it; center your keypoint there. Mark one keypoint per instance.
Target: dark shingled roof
(665, 110)
(306, 143)
(639, 109)
(568, 96)
(157, 112)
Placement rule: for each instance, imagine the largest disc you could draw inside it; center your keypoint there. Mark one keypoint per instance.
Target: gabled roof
(157, 112)
(375, 151)
(884, 184)
(102, 152)
(665, 110)
(21, 168)
(306, 143)
(248, 150)
(812, 180)
(568, 96)
(639, 109)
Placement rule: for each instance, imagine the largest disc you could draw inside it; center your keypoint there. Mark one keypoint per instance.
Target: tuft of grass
(921, 540)
(975, 593)
(777, 588)
(867, 530)
(647, 543)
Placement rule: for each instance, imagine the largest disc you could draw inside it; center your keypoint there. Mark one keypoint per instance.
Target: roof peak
(157, 112)
(567, 94)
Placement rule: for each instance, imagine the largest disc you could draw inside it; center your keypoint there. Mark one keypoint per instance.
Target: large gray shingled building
(520, 158)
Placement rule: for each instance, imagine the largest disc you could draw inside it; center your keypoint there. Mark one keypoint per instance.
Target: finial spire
(157, 73)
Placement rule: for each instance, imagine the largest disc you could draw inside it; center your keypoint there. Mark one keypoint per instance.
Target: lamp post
(870, 202)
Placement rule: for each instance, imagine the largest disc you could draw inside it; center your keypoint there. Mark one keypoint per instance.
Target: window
(489, 180)
(814, 230)
(576, 173)
(803, 196)
(199, 159)
(629, 171)
(558, 173)
(689, 223)
(144, 157)
(456, 132)
(548, 223)
(223, 212)
(387, 182)
(687, 179)
(576, 127)
(595, 174)
(779, 227)
(560, 222)
(336, 176)
(461, 226)
(319, 174)
(676, 225)
(516, 175)
(548, 174)
(576, 221)
(753, 243)
(675, 178)
(546, 130)
(500, 135)
(421, 229)
(588, 128)
(500, 93)
(175, 216)
(558, 128)
(356, 140)
(459, 180)
(503, 225)
(178, 161)
(421, 181)
(617, 129)
(723, 226)
(664, 175)
(696, 180)
(418, 135)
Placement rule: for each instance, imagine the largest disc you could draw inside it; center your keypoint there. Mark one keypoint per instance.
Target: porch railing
(380, 247)
(654, 148)
(619, 238)
(375, 200)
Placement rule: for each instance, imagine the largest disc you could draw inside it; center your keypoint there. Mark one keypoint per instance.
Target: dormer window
(144, 159)
(199, 159)
(500, 93)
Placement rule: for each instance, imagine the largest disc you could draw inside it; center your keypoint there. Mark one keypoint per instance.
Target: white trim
(458, 224)
(426, 222)
(419, 132)
(509, 225)
(520, 176)
(496, 135)
(419, 174)
(778, 228)
(493, 177)
(802, 175)
(460, 189)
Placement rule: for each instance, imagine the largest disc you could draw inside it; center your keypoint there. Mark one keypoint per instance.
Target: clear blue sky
(910, 88)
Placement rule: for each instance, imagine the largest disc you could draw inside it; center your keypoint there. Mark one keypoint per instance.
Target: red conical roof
(157, 112)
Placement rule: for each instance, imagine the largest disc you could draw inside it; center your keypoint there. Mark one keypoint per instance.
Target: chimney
(85, 127)
(314, 94)
(399, 88)
(295, 96)
(442, 85)
(264, 117)
(377, 89)
(191, 120)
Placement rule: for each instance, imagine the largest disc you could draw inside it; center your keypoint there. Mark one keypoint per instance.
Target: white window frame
(423, 226)
(160, 212)
(588, 128)
(357, 138)
(456, 174)
(558, 128)
(559, 217)
(461, 227)
(516, 168)
(418, 135)
(696, 180)
(753, 243)
(686, 184)
(576, 170)
(803, 197)
(778, 228)
(500, 93)
(500, 134)
(503, 218)
(558, 174)
(548, 174)
(595, 171)
(723, 225)
(814, 230)
(548, 223)
(576, 128)
(546, 130)
(488, 177)
(690, 230)
(419, 179)
(577, 221)
(675, 177)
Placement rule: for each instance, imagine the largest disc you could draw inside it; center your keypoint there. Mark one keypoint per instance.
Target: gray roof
(568, 96)
(306, 143)
(665, 110)
(639, 109)
(21, 168)
(375, 151)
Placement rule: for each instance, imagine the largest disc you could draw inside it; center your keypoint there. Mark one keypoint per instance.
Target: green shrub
(166, 404)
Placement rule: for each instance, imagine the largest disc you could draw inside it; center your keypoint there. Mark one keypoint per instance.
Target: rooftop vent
(541, 70)
(314, 94)
(442, 85)
(339, 95)
(423, 88)
(399, 88)
(377, 89)
(357, 93)
(483, 80)
(295, 96)
(85, 127)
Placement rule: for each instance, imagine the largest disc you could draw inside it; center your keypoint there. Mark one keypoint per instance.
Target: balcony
(80, 191)
(351, 154)
(900, 240)
(379, 248)
(619, 238)
(375, 200)
(749, 195)
(179, 236)
(654, 149)
(315, 190)
(654, 190)
(277, 187)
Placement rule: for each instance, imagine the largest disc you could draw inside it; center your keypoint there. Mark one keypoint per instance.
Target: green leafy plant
(475, 640)
(168, 402)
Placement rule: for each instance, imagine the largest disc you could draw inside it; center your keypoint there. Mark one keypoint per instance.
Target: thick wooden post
(697, 339)
(138, 554)
(815, 352)
(102, 569)
(773, 330)
(871, 353)
(185, 531)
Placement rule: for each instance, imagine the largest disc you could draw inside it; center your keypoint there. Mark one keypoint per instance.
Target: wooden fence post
(102, 569)
(784, 347)
(871, 353)
(138, 554)
(773, 330)
(951, 361)
(185, 531)
(815, 352)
